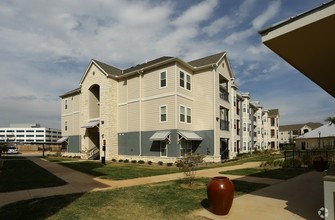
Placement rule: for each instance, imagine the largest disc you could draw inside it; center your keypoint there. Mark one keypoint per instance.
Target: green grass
(168, 200)
(25, 174)
(119, 171)
(276, 173)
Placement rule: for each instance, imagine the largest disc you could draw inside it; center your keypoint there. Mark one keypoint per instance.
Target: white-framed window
(185, 80)
(65, 126)
(163, 113)
(162, 79)
(163, 148)
(185, 114)
(65, 104)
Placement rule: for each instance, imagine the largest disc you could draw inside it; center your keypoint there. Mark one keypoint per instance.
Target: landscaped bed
(168, 200)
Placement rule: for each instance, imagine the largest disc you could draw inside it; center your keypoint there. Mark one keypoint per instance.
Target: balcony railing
(224, 95)
(224, 125)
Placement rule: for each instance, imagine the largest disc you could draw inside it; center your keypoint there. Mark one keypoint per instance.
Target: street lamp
(319, 138)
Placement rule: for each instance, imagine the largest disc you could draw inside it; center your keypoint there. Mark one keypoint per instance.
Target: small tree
(3, 148)
(330, 120)
(188, 165)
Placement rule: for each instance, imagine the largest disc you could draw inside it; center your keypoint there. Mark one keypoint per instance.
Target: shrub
(297, 162)
(120, 160)
(126, 161)
(141, 162)
(133, 161)
(113, 160)
(169, 164)
(149, 162)
(160, 163)
(187, 164)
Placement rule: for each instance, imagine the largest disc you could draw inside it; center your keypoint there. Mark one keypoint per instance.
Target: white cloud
(270, 12)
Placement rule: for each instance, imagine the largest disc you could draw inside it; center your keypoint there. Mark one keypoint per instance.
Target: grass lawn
(119, 171)
(168, 200)
(276, 173)
(24, 174)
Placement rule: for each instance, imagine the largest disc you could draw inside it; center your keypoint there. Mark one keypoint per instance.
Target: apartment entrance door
(224, 148)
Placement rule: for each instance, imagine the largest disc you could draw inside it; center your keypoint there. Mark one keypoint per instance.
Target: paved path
(297, 198)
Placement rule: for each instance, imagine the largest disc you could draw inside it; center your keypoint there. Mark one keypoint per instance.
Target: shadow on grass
(40, 208)
(25, 174)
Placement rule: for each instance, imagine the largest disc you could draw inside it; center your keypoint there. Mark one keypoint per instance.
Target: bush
(133, 161)
(160, 163)
(120, 160)
(169, 164)
(141, 162)
(113, 160)
(126, 161)
(149, 162)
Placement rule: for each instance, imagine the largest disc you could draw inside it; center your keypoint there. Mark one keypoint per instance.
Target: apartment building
(287, 133)
(27, 133)
(158, 110)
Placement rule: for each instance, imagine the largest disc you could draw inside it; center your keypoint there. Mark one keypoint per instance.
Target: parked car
(12, 150)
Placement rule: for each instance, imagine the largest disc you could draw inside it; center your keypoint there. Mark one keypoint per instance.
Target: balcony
(224, 95)
(224, 125)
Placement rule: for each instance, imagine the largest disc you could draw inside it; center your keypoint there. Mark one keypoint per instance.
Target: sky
(46, 46)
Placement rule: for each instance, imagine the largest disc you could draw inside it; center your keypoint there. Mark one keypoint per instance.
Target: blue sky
(46, 47)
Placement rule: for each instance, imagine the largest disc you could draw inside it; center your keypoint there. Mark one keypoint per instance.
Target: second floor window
(65, 104)
(65, 126)
(162, 80)
(185, 114)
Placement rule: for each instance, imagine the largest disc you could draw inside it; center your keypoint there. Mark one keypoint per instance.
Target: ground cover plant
(274, 173)
(25, 174)
(167, 200)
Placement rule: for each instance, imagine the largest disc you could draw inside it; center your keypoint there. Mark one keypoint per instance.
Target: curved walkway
(297, 198)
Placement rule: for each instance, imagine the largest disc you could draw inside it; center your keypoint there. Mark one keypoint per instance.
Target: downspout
(214, 110)
(140, 72)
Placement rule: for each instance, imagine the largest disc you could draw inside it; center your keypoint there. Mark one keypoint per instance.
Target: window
(185, 80)
(188, 82)
(182, 79)
(30, 135)
(30, 131)
(65, 103)
(162, 77)
(20, 131)
(65, 126)
(163, 113)
(185, 147)
(185, 114)
(163, 148)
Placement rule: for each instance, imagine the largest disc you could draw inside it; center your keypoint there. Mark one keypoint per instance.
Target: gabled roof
(212, 59)
(273, 112)
(292, 127)
(327, 130)
(110, 70)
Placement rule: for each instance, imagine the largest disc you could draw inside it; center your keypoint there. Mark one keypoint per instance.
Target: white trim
(185, 80)
(160, 149)
(160, 113)
(160, 79)
(179, 113)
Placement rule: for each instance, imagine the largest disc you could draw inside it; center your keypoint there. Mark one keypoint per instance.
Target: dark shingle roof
(146, 64)
(273, 112)
(71, 93)
(299, 126)
(111, 70)
(206, 60)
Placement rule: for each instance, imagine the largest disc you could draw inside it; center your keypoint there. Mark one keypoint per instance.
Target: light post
(319, 138)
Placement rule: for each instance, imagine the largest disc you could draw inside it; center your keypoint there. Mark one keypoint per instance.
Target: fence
(306, 156)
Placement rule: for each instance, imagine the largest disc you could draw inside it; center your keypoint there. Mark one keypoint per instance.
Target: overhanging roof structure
(160, 136)
(306, 41)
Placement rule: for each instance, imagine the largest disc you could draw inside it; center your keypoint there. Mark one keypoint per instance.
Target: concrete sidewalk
(297, 198)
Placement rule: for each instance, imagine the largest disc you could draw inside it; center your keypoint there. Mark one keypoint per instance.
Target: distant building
(322, 137)
(27, 133)
(287, 133)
